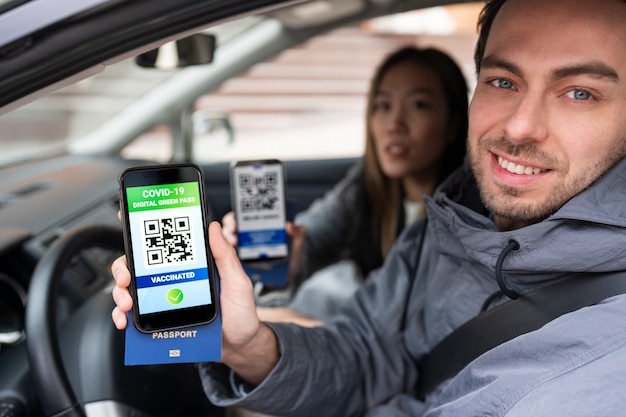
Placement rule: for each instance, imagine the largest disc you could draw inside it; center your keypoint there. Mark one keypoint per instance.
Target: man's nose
(528, 119)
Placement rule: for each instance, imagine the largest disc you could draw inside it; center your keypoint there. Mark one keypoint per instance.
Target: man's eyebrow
(492, 61)
(594, 69)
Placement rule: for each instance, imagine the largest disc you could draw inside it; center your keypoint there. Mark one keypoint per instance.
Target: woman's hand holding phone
(296, 233)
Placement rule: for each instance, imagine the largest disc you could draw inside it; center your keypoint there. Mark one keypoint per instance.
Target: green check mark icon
(174, 296)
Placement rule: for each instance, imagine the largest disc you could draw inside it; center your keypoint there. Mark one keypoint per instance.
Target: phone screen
(171, 265)
(258, 189)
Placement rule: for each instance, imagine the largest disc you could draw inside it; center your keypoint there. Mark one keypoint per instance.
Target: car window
(306, 102)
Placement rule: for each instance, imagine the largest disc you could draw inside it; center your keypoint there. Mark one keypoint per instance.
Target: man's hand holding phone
(245, 339)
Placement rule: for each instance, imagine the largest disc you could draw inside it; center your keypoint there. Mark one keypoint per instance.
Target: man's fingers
(224, 254)
(239, 319)
(120, 294)
(235, 286)
(119, 319)
(120, 272)
(122, 298)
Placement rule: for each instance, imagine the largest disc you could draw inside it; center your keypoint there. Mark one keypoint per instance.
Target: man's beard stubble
(505, 201)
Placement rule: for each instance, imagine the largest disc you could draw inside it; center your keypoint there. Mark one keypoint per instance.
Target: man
(546, 145)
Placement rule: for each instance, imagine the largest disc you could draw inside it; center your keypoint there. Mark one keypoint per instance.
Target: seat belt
(510, 319)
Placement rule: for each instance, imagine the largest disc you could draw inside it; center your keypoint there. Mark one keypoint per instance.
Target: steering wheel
(89, 359)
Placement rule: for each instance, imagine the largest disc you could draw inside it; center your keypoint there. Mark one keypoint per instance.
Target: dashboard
(40, 201)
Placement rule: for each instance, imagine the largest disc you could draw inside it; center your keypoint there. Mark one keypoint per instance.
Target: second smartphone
(165, 218)
(258, 200)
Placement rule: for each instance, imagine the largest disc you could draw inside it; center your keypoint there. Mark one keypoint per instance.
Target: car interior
(82, 97)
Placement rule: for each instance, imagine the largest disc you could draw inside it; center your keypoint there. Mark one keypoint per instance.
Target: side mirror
(197, 49)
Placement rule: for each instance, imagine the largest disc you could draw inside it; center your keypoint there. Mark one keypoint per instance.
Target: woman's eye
(418, 105)
(578, 94)
(502, 83)
(381, 106)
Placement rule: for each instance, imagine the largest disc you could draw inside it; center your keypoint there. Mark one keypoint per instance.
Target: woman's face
(409, 121)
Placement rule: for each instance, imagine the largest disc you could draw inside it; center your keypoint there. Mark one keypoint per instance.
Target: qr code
(258, 192)
(168, 241)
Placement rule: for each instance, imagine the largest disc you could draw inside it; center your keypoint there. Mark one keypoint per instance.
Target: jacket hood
(586, 235)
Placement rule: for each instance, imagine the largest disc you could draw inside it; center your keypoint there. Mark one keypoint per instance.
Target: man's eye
(579, 95)
(502, 83)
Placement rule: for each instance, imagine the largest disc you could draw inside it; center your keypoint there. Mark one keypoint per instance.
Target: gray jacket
(363, 362)
(339, 227)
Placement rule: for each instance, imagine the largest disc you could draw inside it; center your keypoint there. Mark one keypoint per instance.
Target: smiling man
(543, 199)
(547, 117)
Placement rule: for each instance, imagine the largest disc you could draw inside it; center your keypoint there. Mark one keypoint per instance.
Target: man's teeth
(517, 169)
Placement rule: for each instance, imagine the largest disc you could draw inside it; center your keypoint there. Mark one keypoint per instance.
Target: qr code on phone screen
(168, 241)
(258, 192)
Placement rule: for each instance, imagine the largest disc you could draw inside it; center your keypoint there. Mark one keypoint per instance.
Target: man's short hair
(485, 20)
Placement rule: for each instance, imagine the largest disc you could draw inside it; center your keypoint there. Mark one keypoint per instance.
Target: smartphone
(164, 217)
(258, 200)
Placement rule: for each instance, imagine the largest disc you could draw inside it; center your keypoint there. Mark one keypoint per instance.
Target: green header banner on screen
(163, 196)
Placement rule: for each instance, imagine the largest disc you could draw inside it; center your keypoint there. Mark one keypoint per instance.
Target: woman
(415, 136)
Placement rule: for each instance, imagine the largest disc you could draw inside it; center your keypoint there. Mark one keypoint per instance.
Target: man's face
(548, 116)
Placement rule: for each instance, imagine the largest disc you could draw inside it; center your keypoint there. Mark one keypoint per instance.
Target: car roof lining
(109, 36)
(17, 22)
(51, 56)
